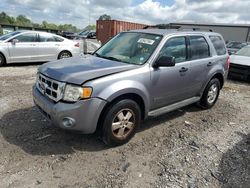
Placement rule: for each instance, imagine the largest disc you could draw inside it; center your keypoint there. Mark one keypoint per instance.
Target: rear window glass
(218, 45)
(199, 47)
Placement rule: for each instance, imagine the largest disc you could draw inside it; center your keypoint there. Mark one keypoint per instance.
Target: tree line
(22, 20)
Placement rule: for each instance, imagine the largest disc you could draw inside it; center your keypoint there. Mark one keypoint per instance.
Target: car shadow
(29, 130)
(234, 168)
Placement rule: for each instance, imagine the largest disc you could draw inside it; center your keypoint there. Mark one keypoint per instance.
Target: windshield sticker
(146, 41)
(157, 38)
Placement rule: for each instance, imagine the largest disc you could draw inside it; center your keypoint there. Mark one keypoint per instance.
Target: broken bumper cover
(80, 116)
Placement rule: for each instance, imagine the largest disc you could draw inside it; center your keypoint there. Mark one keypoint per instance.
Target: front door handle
(183, 69)
(209, 64)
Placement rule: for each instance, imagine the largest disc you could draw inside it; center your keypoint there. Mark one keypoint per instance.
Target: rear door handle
(183, 69)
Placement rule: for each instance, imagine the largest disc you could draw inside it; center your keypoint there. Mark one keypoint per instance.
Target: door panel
(171, 84)
(48, 47)
(200, 62)
(25, 49)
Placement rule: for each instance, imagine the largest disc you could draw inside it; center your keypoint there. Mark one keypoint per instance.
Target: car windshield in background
(244, 51)
(4, 37)
(130, 47)
(237, 45)
(83, 32)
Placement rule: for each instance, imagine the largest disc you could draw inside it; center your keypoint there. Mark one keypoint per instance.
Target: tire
(2, 60)
(64, 54)
(120, 122)
(210, 94)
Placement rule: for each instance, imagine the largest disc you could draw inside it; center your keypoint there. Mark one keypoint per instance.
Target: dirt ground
(189, 147)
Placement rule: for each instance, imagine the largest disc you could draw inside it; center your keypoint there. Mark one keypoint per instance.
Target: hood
(77, 70)
(240, 60)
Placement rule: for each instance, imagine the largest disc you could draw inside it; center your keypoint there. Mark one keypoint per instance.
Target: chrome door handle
(209, 64)
(183, 69)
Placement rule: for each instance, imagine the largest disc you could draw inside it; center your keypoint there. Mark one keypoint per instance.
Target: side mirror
(14, 41)
(165, 61)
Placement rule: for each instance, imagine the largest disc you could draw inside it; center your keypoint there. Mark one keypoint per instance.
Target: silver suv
(135, 75)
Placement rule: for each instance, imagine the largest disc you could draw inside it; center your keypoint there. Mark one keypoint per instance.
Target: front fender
(126, 87)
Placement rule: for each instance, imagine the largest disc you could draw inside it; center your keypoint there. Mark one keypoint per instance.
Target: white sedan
(35, 46)
(240, 64)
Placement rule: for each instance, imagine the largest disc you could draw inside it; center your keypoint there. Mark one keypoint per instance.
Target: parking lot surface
(189, 147)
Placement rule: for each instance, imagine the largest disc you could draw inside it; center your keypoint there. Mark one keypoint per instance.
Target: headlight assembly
(74, 93)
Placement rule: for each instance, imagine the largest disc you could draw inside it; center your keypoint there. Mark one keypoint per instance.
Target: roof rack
(194, 29)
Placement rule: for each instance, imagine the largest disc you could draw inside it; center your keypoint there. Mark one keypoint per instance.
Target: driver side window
(175, 47)
(27, 37)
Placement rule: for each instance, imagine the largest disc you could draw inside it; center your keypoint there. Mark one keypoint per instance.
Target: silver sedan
(35, 46)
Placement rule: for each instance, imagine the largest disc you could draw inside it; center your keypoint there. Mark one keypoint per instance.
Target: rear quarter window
(218, 45)
(199, 47)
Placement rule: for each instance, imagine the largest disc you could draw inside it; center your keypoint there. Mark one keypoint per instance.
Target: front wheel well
(132, 96)
(220, 78)
(4, 58)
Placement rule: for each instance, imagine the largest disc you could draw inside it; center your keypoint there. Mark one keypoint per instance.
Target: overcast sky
(83, 12)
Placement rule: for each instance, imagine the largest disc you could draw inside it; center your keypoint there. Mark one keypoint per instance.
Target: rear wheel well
(220, 78)
(132, 96)
(62, 52)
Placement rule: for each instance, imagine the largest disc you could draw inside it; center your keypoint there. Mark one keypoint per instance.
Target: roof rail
(194, 29)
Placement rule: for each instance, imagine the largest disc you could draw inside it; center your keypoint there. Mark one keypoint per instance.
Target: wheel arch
(65, 50)
(4, 56)
(132, 96)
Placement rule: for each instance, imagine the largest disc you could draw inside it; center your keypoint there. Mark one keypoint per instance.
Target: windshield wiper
(110, 58)
(98, 55)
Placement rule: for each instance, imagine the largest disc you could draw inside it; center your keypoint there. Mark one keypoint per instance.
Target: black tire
(111, 134)
(208, 100)
(64, 54)
(2, 60)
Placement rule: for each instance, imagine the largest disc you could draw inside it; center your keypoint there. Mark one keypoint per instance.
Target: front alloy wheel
(120, 121)
(123, 123)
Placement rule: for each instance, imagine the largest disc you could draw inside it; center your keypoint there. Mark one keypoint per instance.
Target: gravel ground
(189, 147)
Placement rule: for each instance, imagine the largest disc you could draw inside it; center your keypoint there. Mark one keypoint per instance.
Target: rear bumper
(241, 72)
(84, 113)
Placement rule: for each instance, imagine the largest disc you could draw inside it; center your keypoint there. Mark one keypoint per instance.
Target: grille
(49, 87)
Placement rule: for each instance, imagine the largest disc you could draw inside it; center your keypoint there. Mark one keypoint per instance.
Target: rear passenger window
(175, 47)
(218, 45)
(199, 47)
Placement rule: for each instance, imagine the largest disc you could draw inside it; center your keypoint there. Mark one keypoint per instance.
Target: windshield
(85, 32)
(244, 51)
(130, 47)
(4, 37)
(237, 45)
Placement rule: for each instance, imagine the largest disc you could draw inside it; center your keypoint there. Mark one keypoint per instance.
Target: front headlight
(74, 93)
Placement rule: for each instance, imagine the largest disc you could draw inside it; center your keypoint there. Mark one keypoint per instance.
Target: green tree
(105, 17)
(23, 21)
(5, 19)
(90, 27)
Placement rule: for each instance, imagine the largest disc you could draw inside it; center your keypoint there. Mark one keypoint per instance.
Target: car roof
(165, 32)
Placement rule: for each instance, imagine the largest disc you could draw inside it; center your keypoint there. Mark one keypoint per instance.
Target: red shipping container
(106, 29)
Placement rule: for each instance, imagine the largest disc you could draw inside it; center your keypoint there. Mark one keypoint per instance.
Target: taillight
(77, 45)
(228, 63)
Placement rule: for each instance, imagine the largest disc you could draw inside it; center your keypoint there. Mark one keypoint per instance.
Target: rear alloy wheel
(120, 122)
(64, 54)
(210, 94)
(2, 60)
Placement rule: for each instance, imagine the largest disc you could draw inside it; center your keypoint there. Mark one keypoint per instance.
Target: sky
(84, 12)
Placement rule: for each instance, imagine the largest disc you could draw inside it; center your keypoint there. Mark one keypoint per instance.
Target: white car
(35, 46)
(240, 64)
